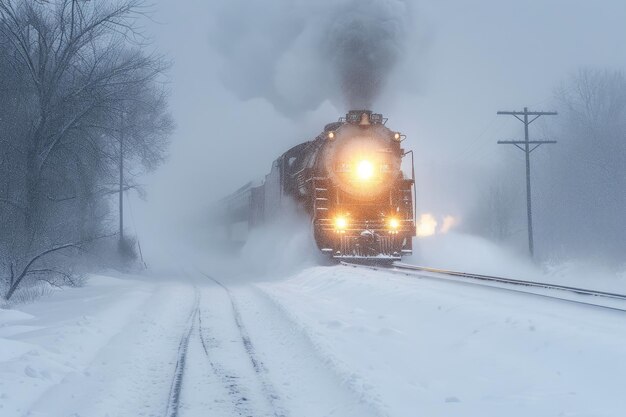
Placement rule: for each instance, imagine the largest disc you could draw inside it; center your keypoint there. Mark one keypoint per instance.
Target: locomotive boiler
(350, 183)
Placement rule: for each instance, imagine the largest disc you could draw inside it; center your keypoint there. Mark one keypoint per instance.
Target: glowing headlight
(365, 170)
(341, 223)
(394, 224)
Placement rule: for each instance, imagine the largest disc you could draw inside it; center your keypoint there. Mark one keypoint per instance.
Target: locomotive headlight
(394, 224)
(341, 223)
(365, 170)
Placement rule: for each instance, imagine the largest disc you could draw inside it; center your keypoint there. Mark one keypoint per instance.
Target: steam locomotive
(349, 181)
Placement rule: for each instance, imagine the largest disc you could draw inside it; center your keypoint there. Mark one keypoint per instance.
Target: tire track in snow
(268, 389)
(173, 402)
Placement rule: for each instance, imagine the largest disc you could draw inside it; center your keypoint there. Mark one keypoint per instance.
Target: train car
(349, 181)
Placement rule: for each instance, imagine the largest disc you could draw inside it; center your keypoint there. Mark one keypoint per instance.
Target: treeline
(579, 185)
(79, 94)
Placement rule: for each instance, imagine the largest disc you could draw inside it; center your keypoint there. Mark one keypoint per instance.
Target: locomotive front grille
(358, 247)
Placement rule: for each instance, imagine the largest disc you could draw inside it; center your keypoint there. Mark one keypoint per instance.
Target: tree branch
(99, 193)
(65, 275)
(27, 268)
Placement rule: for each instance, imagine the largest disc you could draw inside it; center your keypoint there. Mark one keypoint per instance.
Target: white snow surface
(473, 254)
(419, 347)
(323, 341)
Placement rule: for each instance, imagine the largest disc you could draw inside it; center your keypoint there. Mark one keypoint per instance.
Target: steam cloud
(297, 53)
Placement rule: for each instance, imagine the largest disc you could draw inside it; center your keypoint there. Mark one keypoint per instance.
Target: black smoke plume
(364, 42)
(298, 54)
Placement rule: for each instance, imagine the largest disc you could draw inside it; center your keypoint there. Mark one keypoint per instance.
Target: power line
(525, 146)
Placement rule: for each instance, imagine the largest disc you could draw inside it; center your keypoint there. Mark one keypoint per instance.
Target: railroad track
(261, 372)
(173, 402)
(607, 300)
(196, 329)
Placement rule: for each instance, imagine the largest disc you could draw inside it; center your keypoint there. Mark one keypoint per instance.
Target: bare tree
(584, 192)
(70, 68)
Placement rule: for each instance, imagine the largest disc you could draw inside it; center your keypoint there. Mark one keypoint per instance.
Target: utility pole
(121, 195)
(524, 145)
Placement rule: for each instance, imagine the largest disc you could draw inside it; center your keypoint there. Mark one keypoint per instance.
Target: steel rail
(475, 279)
(503, 280)
(261, 372)
(173, 402)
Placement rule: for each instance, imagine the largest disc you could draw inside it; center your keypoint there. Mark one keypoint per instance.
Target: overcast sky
(464, 61)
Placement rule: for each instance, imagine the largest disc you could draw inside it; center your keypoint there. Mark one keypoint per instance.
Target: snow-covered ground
(418, 347)
(113, 347)
(467, 253)
(102, 348)
(325, 341)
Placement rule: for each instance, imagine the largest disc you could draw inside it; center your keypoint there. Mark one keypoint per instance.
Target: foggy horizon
(458, 66)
